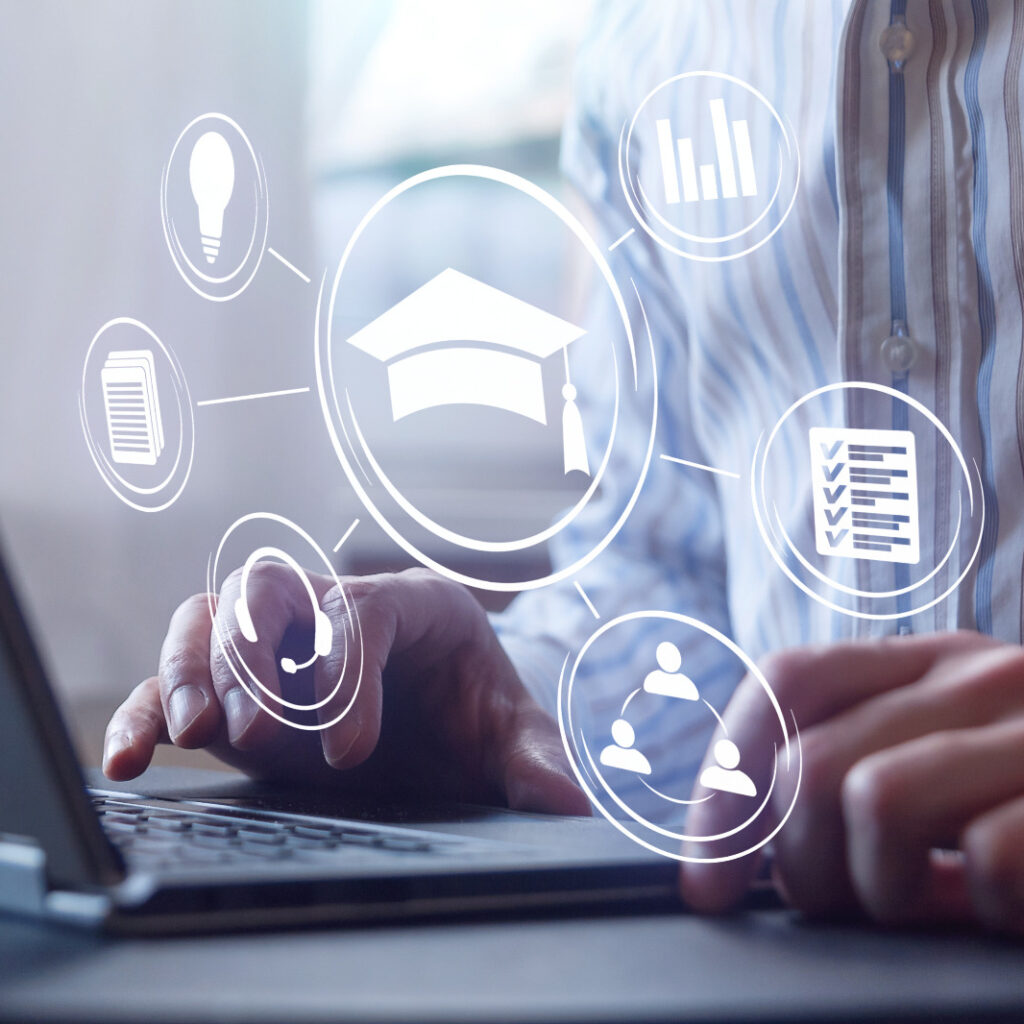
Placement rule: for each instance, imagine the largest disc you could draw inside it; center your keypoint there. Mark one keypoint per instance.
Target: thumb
(537, 776)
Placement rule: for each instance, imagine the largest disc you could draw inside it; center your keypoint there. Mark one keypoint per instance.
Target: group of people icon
(668, 681)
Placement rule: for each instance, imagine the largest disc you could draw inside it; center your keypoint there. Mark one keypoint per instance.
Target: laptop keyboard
(163, 837)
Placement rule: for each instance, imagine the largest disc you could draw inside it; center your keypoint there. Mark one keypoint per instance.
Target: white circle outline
(757, 473)
(111, 477)
(565, 727)
(533, 191)
(107, 465)
(174, 245)
(711, 239)
(439, 531)
(625, 181)
(350, 610)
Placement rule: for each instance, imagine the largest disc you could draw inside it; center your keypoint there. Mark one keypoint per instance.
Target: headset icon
(323, 635)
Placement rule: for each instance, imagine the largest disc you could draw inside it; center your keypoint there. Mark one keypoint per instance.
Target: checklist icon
(865, 494)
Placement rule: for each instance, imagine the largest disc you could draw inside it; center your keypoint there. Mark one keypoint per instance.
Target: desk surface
(764, 965)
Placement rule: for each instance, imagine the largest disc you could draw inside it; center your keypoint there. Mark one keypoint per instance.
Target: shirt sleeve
(670, 554)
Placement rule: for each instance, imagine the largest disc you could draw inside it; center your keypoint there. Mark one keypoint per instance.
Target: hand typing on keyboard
(439, 710)
(911, 805)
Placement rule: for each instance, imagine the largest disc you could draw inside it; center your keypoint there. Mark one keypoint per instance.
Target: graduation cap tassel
(572, 434)
(574, 443)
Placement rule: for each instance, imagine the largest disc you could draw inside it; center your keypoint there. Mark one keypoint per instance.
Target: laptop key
(206, 828)
(266, 838)
(360, 838)
(312, 845)
(216, 842)
(109, 817)
(303, 842)
(124, 828)
(123, 809)
(168, 824)
(263, 851)
(245, 825)
(314, 832)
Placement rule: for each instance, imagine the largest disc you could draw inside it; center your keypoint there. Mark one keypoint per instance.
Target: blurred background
(341, 100)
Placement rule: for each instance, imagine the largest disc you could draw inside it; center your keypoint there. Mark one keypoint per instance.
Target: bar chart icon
(707, 181)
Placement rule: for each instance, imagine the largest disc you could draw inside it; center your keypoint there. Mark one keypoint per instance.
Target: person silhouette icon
(666, 680)
(621, 753)
(726, 776)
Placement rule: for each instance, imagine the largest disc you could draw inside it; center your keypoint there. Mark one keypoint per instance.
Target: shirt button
(896, 43)
(899, 353)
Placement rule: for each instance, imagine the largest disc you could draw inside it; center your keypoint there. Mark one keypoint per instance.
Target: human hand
(440, 709)
(912, 747)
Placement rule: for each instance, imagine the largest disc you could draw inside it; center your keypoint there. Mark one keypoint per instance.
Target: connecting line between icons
(586, 600)
(345, 536)
(698, 465)
(614, 244)
(246, 398)
(291, 266)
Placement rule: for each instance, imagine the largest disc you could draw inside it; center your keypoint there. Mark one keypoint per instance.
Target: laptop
(113, 859)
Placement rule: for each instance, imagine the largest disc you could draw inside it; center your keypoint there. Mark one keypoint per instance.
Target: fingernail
(115, 744)
(185, 705)
(241, 709)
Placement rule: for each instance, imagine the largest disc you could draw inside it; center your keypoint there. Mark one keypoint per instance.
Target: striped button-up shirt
(910, 208)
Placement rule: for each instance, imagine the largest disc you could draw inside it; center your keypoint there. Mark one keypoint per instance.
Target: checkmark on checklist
(834, 512)
(865, 494)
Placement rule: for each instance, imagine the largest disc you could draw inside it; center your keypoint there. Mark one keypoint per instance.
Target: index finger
(248, 630)
(186, 690)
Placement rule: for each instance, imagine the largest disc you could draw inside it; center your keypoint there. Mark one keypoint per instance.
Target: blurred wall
(93, 97)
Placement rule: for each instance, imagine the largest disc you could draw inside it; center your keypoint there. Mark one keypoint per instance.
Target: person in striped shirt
(901, 265)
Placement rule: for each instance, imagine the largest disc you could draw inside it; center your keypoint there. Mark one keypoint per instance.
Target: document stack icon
(132, 408)
(865, 494)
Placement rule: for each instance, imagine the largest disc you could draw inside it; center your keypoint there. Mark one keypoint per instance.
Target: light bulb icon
(211, 173)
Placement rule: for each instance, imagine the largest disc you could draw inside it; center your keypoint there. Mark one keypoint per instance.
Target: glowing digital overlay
(266, 536)
(606, 760)
(846, 529)
(708, 166)
(488, 348)
(214, 207)
(137, 415)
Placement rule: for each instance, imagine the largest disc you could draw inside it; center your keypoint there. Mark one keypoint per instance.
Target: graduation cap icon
(458, 341)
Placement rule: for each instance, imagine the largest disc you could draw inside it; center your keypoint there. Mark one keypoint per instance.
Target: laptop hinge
(24, 888)
(22, 876)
